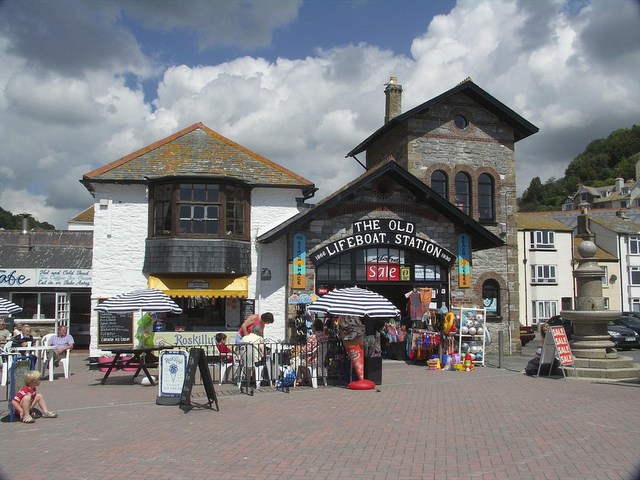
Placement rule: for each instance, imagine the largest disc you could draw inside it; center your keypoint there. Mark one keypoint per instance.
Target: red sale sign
(562, 345)
(383, 272)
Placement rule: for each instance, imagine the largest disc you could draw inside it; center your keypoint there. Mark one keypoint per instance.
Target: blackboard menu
(197, 360)
(247, 307)
(115, 329)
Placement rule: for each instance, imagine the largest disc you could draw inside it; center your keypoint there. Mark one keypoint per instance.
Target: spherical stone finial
(587, 249)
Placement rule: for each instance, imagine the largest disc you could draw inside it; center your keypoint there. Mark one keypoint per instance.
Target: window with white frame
(543, 239)
(634, 275)
(635, 304)
(543, 274)
(634, 245)
(606, 303)
(605, 277)
(544, 309)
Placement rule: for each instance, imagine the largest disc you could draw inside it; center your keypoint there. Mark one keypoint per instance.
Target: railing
(252, 366)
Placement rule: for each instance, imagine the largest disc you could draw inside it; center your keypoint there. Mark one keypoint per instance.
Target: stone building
(436, 209)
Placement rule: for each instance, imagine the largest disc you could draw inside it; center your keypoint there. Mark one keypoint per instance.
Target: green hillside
(600, 164)
(9, 221)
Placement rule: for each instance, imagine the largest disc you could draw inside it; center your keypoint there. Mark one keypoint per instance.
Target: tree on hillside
(600, 164)
(9, 221)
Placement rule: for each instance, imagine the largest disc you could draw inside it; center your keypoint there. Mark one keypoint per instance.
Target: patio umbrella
(8, 308)
(146, 300)
(354, 301)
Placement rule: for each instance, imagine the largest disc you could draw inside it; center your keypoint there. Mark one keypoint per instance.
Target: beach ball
(479, 356)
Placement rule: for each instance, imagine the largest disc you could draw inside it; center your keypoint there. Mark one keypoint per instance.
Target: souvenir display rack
(471, 333)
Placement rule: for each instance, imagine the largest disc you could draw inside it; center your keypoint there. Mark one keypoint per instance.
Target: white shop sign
(44, 277)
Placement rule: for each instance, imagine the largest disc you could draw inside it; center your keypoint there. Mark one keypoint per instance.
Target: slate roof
(197, 151)
(85, 216)
(601, 254)
(521, 127)
(619, 225)
(540, 221)
(49, 249)
(481, 237)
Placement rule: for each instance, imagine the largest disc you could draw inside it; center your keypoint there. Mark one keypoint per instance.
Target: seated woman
(316, 342)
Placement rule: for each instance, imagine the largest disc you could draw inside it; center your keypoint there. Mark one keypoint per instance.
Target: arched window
(486, 192)
(463, 192)
(439, 183)
(491, 298)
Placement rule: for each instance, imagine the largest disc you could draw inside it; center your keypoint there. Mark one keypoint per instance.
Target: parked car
(558, 320)
(526, 334)
(623, 337)
(629, 321)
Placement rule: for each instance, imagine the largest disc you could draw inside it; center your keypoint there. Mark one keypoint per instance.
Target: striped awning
(201, 286)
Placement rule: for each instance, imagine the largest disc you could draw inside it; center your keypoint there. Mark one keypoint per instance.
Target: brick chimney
(393, 105)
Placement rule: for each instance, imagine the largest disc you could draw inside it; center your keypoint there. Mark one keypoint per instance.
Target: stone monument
(594, 352)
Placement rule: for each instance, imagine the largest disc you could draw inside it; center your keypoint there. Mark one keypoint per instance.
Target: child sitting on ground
(26, 399)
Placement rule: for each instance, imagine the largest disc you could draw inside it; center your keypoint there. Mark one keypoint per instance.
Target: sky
(300, 82)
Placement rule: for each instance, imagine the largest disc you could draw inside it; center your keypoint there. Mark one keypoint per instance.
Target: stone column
(594, 352)
(590, 319)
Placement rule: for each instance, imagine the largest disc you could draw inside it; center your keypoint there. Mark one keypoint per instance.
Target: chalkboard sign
(115, 329)
(247, 307)
(196, 360)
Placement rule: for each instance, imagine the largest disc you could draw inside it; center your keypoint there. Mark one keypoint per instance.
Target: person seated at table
(27, 399)
(252, 321)
(226, 355)
(17, 329)
(61, 343)
(24, 338)
(315, 342)
(5, 334)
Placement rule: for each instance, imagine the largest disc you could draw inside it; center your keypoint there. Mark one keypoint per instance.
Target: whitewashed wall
(271, 207)
(120, 231)
(561, 256)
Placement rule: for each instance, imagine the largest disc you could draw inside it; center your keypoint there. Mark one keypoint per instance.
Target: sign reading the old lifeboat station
(382, 231)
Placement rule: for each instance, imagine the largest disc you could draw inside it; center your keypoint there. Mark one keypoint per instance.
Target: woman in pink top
(251, 321)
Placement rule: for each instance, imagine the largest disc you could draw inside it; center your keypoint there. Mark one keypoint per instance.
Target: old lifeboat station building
(225, 231)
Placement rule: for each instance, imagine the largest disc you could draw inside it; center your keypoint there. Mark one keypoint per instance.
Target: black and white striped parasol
(8, 308)
(146, 300)
(356, 302)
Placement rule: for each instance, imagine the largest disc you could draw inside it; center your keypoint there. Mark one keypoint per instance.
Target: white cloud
(571, 73)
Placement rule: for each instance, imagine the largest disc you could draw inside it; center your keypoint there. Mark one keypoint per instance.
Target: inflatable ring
(449, 318)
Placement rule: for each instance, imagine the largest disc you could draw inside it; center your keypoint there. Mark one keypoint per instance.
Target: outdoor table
(40, 352)
(137, 360)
